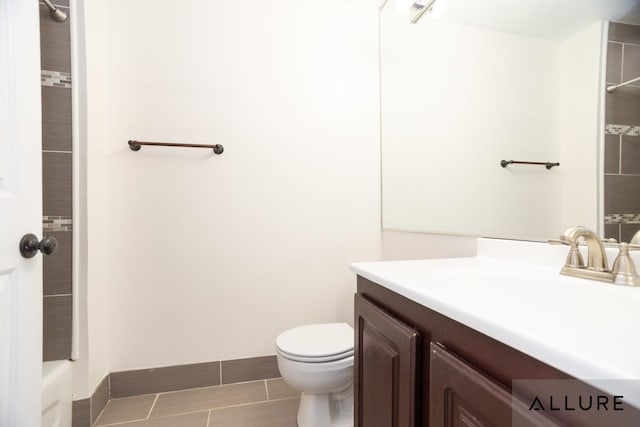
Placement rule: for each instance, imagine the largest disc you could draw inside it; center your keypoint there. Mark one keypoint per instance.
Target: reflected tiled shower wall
(622, 134)
(56, 181)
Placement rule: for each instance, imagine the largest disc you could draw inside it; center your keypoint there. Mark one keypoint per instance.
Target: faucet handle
(560, 241)
(574, 258)
(624, 270)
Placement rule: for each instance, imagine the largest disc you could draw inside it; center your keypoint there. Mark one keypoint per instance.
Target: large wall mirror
(510, 80)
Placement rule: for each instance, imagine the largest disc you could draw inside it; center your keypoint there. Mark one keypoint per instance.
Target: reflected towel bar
(137, 145)
(548, 165)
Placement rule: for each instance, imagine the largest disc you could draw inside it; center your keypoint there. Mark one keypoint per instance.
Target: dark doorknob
(29, 245)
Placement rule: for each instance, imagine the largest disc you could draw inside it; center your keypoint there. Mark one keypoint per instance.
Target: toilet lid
(326, 341)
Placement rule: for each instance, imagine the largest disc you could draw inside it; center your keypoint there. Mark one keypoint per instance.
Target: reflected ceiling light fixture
(438, 9)
(404, 5)
(419, 8)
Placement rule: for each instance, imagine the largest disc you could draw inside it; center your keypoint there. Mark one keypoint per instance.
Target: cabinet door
(385, 369)
(460, 395)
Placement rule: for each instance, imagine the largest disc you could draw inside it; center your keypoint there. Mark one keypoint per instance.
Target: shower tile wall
(622, 134)
(56, 182)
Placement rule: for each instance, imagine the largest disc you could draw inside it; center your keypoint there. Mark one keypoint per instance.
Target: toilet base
(326, 410)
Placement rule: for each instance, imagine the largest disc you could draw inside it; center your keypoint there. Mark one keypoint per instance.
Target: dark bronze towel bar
(137, 145)
(548, 165)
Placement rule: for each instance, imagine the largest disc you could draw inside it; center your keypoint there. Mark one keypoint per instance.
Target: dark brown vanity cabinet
(385, 368)
(416, 367)
(460, 395)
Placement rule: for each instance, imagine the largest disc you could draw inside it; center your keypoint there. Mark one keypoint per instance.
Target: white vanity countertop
(585, 328)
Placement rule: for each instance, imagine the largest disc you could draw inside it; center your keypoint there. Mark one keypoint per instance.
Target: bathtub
(56, 394)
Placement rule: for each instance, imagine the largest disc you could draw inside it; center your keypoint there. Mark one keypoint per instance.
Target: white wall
(90, 190)
(399, 245)
(580, 64)
(210, 257)
(456, 100)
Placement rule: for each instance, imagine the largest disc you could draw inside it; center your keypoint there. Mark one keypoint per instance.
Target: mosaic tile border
(625, 130)
(622, 219)
(57, 223)
(55, 79)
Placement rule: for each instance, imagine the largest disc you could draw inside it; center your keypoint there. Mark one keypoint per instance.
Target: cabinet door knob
(29, 245)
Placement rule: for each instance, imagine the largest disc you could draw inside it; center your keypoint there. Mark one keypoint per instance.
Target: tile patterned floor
(264, 403)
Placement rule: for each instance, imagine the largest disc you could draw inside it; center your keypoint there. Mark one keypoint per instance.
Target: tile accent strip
(626, 130)
(57, 223)
(622, 219)
(55, 79)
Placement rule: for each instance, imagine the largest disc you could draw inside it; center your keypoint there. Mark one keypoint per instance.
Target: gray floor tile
(278, 389)
(209, 398)
(126, 409)
(278, 413)
(195, 419)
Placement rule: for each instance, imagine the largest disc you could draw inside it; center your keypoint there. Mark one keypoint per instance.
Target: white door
(20, 213)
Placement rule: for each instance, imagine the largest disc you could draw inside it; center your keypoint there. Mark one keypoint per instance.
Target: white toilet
(317, 360)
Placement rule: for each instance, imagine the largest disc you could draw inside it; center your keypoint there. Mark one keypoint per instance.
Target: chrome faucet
(597, 266)
(597, 258)
(623, 271)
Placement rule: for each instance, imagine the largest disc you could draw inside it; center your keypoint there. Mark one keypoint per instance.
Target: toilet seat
(321, 359)
(317, 343)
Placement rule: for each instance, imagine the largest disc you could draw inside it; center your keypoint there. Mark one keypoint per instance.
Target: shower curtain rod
(628, 82)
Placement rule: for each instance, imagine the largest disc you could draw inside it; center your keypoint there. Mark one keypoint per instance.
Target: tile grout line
(622, 64)
(210, 410)
(620, 157)
(153, 405)
(198, 410)
(204, 386)
(221, 372)
(108, 378)
(95, 423)
(618, 42)
(195, 388)
(214, 409)
(208, 418)
(251, 403)
(195, 412)
(120, 422)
